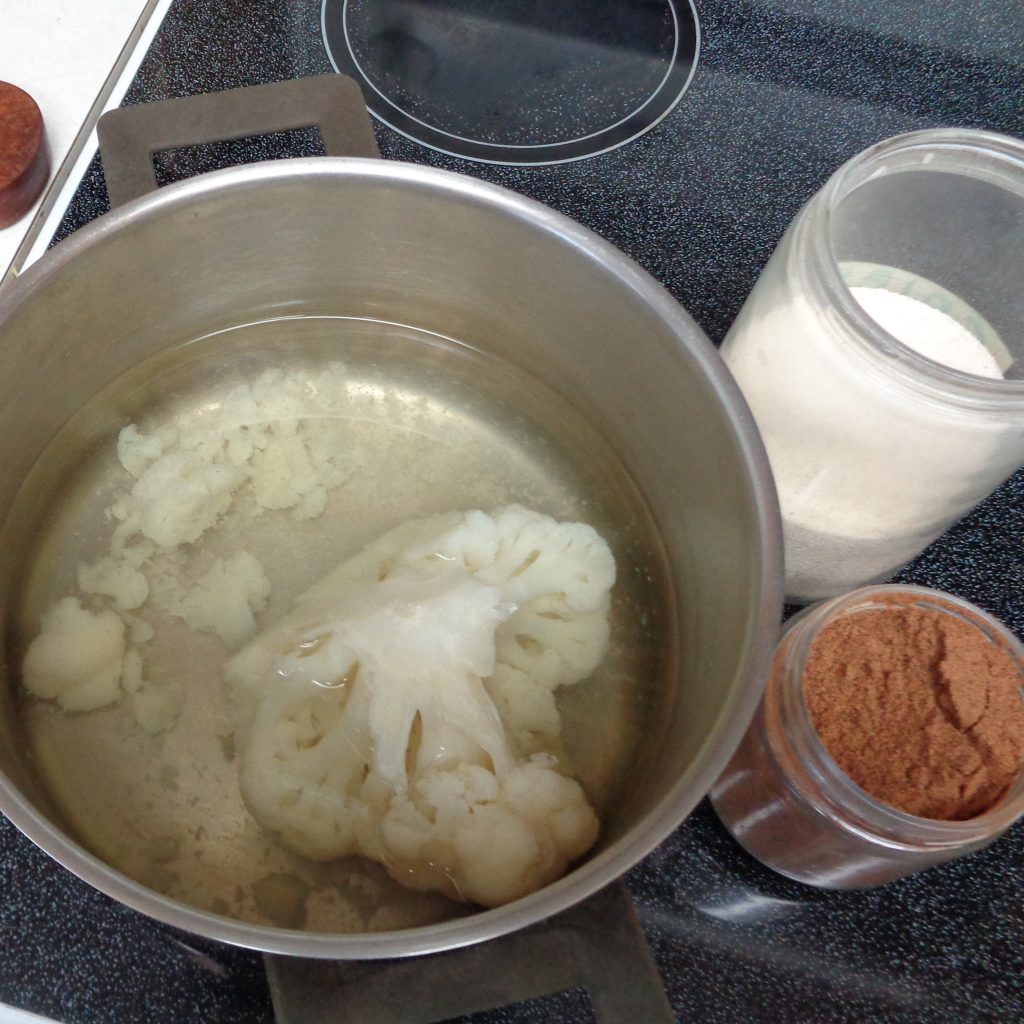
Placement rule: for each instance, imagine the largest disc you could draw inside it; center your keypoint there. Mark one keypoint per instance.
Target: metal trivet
(598, 946)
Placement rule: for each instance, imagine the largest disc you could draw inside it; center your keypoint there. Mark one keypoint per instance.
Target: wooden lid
(24, 164)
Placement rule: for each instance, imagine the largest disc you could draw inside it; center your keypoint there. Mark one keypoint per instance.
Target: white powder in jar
(928, 331)
(867, 469)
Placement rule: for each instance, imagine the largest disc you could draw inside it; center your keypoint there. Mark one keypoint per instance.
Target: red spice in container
(919, 707)
(890, 738)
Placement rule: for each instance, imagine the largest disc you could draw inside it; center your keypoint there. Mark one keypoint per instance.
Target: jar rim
(825, 275)
(860, 811)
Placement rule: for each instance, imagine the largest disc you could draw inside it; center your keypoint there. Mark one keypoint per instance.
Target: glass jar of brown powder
(889, 739)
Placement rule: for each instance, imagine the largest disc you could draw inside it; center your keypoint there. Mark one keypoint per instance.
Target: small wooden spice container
(24, 161)
(886, 678)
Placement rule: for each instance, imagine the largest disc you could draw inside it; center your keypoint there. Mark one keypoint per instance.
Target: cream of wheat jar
(880, 353)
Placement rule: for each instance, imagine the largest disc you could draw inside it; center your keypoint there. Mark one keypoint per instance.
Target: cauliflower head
(404, 709)
(77, 658)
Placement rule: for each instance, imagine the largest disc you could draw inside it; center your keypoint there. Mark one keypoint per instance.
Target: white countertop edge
(10, 1015)
(42, 233)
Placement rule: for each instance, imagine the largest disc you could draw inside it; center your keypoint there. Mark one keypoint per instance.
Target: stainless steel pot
(449, 254)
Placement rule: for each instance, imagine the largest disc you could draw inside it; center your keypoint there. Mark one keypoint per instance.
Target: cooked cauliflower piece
(178, 498)
(136, 450)
(364, 718)
(82, 660)
(77, 658)
(117, 579)
(156, 708)
(225, 599)
(485, 837)
(274, 434)
(278, 439)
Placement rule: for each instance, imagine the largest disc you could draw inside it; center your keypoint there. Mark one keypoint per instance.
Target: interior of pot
(448, 255)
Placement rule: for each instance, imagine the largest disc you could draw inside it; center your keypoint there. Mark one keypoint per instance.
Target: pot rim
(765, 573)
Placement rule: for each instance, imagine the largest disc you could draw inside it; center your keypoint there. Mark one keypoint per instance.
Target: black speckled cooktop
(785, 90)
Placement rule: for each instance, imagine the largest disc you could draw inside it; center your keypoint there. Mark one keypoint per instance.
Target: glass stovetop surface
(782, 92)
(514, 81)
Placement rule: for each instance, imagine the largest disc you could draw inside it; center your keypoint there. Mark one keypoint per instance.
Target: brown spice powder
(918, 708)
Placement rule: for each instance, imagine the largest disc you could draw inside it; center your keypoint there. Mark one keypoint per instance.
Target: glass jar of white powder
(882, 353)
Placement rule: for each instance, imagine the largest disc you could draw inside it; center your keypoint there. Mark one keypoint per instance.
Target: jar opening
(935, 221)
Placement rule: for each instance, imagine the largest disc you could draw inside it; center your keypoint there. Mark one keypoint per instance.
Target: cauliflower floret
(364, 720)
(559, 632)
(178, 498)
(115, 578)
(547, 644)
(275, 434)
(225, 599)
(82, 660)
(77, 658)
(284, 476)
(156, 708)
(284, 435)
(137, 451)
(528, 555)
(489, 839)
